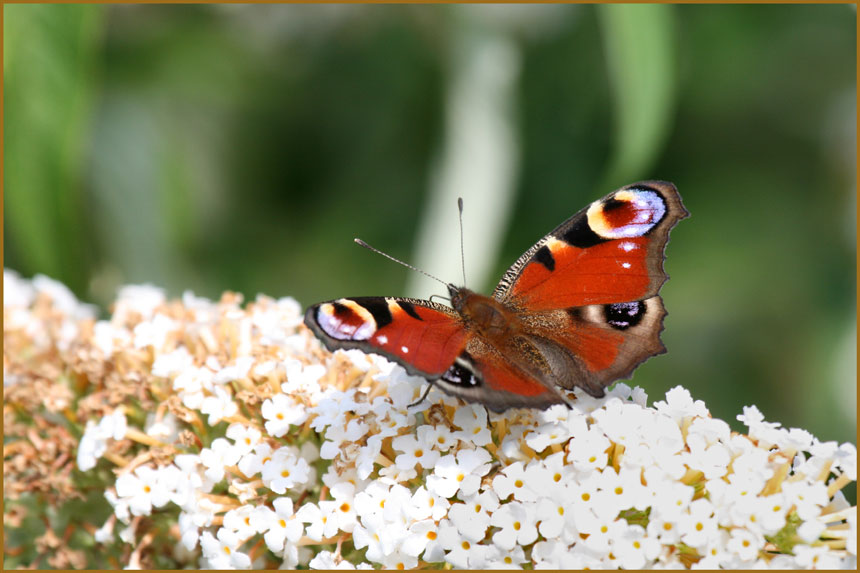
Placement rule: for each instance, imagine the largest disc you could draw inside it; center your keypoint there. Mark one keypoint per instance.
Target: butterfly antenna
(407, 265)
(462, 248)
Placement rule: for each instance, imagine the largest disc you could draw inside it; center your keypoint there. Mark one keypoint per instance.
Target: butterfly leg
(423, 396)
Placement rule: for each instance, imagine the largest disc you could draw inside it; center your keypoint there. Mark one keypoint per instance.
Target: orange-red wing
(423, 337)
(610, 252)
(593, 346)
(496, 382)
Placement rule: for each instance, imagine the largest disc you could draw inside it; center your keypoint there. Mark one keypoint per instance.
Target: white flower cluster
(333, 468)
(19, 295)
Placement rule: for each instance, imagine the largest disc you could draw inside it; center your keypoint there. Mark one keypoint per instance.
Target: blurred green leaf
(50, 58)
(640, 48)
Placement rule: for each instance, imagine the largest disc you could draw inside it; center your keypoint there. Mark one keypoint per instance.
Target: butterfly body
(484, 315)
(579, 308)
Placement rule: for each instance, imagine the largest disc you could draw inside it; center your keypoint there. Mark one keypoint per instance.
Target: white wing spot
(625, 265)
(382, 339)
(404, 349)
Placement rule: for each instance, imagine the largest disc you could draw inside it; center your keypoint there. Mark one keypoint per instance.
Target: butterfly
(580, 308)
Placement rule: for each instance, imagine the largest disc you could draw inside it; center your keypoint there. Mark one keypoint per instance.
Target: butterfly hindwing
(609, 252)
(423, 337)
(481, 374)
(593, 346)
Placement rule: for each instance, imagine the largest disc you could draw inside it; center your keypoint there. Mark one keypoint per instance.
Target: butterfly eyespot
(624, 315)
(460, 374)
(626, 213)
(345, 319)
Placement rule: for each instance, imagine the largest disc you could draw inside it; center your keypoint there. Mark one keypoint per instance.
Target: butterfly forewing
(609, 252)
(422, 336)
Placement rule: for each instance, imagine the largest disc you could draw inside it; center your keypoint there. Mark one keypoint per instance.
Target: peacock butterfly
(579, 308)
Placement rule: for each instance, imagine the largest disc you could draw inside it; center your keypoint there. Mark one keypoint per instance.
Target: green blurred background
(243, 147)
